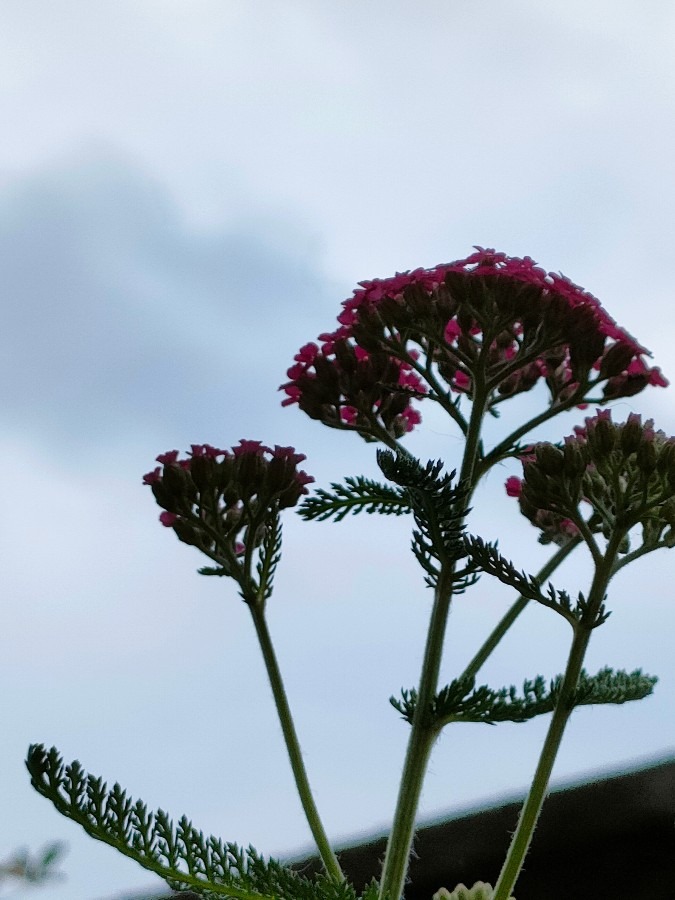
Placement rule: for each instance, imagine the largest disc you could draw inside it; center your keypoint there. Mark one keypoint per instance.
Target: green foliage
(461, 702)
(179, 854)
(268, 536)
(354, 496)
(270, 555)
(486, 558)
(439, 510)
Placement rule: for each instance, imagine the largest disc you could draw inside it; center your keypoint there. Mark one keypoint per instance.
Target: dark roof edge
(635, 795)
(585, 779)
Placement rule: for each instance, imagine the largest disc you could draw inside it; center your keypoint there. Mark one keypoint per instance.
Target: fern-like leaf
(180, 854)
(354, 496)
(439, 510)
(270, 555)
(487, 558)
(461, 702)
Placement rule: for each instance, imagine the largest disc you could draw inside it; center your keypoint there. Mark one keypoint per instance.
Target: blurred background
(187, 193)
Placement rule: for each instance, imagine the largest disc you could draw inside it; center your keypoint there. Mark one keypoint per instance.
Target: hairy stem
(420, 743)
(531, 810)
(422, 732)
(328, 857)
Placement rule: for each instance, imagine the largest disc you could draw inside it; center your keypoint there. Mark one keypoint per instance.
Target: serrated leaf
(486, 557)
(356, 495)
(181, 855)
(270, 555)
(439, 510)
(461, 702)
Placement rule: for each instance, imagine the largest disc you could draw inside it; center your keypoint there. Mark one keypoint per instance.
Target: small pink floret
(568, 528)
(302, 479)
(514, 486)
(167, 458)
(288, 453)
(412, 417)
(254, 447)
(167, 519)
(462, 381)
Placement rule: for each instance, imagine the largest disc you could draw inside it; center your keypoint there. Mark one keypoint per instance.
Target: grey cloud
(118, 314)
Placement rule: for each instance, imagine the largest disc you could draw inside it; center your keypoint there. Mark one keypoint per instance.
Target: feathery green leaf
(354, 496)
(270, 555)
(179, 854)
(439, 510)
(460, 702)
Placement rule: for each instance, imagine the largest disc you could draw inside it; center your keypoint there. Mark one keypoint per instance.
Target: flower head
(625, 473)
(221, 500)
(425, 332)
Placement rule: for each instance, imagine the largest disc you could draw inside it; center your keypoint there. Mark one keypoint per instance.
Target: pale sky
(187, 193)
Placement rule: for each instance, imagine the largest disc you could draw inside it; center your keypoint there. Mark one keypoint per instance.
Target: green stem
(504, 447)
(422, 732)
(535, 800)
(420, 743)
(515, 610)
(328, 857)
(530, 812)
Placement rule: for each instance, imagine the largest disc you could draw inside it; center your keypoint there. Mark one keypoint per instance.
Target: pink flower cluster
(624, 472)
(212, 497)
(523, 324)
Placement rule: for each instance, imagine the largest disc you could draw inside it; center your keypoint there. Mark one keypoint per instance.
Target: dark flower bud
(602, 436)
(549, 459)
(344, 356)
(665, 465)
(574, 462)
(163, 497)
(624, 386)
(586, 341)
(187, 533)
(646, 456)
(250, 468)
(202, 470)
(535, 481)
(279, 474)
(631, 434)
(177, 481)
(290, 495)
(616, 359)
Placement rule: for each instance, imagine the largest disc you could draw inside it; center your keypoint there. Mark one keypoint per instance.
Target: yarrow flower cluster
(219, 500)
(624, 472)
(490, 319)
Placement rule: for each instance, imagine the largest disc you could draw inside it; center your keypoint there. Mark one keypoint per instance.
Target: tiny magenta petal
(514, 486)
(167, 458)
(168, 519)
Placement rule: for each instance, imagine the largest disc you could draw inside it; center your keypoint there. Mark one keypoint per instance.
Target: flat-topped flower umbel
(490, 324)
